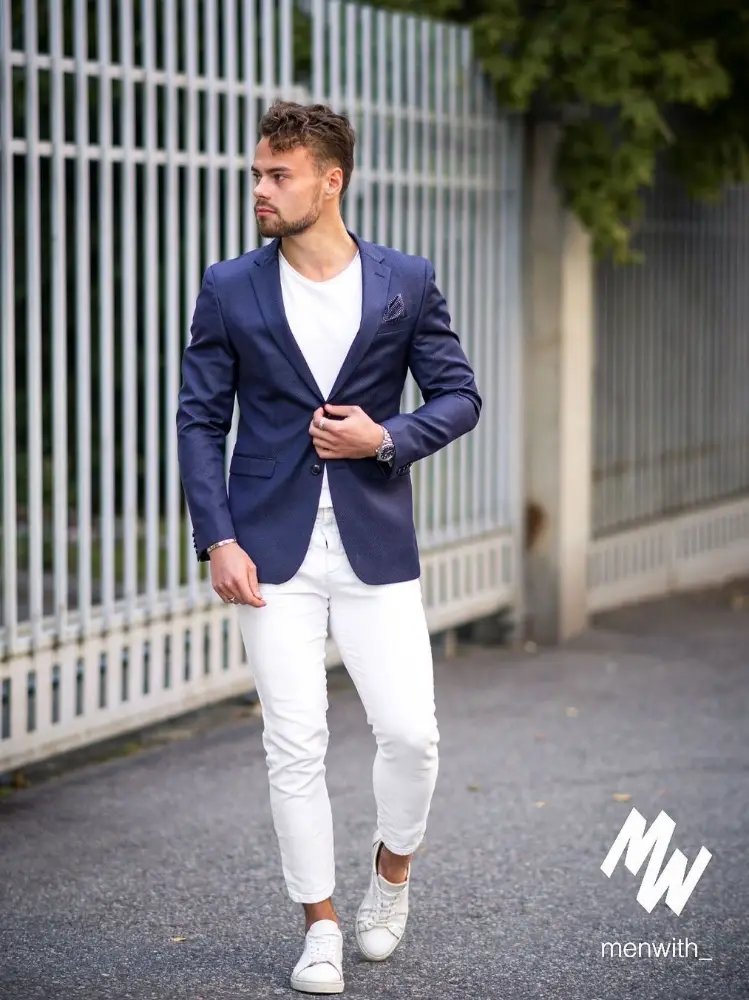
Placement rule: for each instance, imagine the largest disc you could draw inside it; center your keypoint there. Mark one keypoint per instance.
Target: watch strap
(385, 452)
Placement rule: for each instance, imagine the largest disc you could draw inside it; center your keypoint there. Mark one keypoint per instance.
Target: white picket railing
(671, 444)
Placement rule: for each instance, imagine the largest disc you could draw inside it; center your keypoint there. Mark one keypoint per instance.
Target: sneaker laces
(323, 948)
(381, 913)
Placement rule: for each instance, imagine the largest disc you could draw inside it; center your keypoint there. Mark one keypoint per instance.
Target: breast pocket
(396, 328)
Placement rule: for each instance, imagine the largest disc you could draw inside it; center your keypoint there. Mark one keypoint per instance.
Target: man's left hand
(356, 436)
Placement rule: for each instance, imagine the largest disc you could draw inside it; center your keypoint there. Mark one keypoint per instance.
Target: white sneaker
(320, 969)
(381, 918)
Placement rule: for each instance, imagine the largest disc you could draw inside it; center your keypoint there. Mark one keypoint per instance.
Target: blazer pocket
(250, 465)
(394, 325)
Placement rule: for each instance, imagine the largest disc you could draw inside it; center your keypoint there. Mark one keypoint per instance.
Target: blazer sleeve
(452, 403)
(206, 403)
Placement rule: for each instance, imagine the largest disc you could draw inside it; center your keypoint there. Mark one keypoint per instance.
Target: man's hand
(234, 574)
(356, 436)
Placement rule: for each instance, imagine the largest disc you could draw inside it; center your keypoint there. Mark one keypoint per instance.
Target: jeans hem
(401, 850)
(298, 896)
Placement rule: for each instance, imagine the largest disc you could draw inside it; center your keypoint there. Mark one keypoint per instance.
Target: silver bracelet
(224, 541)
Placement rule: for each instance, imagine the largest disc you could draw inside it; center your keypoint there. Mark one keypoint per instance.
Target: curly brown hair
(329, 136)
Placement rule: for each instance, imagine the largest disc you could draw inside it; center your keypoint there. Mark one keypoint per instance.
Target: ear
(334, 181)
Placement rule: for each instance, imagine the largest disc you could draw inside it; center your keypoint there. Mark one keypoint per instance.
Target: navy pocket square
(395, 310)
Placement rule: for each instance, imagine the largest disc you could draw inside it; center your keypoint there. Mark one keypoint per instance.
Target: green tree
(631, 82)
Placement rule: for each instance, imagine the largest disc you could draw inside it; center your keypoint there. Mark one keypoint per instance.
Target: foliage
(631, 83)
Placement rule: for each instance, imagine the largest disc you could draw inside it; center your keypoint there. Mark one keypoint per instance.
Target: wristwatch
(386, 451)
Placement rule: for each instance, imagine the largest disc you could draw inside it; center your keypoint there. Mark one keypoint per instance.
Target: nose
(258, 188)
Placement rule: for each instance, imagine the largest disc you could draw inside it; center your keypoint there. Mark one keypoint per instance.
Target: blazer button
(316, 469)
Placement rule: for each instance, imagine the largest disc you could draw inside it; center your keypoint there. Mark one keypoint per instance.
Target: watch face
(387, 452)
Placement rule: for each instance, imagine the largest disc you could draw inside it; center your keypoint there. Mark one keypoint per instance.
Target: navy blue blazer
(241, 343)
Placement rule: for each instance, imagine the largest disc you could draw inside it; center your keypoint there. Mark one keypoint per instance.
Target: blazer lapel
(266, 279)
(375, 284)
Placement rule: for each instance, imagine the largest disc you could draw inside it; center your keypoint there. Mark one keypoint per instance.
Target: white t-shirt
(324, 317)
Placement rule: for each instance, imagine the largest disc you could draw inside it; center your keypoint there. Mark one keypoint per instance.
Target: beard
(275, 225)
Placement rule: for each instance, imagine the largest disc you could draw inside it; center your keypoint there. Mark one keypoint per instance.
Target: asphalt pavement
(157, 874)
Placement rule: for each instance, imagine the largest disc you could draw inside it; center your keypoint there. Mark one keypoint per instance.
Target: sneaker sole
(316, 987)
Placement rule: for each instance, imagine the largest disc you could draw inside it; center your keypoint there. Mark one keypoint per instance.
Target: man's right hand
(234, 574)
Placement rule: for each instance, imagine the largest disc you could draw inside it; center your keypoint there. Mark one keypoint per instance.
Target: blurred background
(578, 175)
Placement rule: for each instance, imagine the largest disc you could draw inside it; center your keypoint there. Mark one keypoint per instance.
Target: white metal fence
(671, 443)
(126, 136)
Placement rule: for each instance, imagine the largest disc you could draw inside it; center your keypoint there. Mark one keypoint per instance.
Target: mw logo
(674, 880)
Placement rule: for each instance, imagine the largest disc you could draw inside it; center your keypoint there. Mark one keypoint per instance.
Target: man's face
(289, 186)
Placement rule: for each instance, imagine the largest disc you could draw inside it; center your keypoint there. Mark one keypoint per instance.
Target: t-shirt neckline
(311, 281)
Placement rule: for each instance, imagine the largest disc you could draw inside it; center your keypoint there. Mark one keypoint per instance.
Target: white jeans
(381, 632)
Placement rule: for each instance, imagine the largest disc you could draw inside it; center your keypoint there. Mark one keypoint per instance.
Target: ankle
(309, 923)
(396, 877)
(318, 911)
(392, 867)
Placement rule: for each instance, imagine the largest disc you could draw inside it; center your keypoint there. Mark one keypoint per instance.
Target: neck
(321, 251)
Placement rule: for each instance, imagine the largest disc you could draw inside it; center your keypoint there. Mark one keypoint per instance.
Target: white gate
(126, 137)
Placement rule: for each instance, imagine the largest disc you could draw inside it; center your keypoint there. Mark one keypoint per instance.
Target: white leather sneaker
(381, 918)
(320, 969)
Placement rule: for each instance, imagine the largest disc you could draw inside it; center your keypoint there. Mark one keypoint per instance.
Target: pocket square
(395, 309)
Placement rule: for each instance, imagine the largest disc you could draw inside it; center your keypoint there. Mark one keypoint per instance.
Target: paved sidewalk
(157, 875)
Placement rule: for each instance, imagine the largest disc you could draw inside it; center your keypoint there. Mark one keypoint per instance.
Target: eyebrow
(271, 170)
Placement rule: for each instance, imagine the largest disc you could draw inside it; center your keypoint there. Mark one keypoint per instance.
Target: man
(315, 332)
